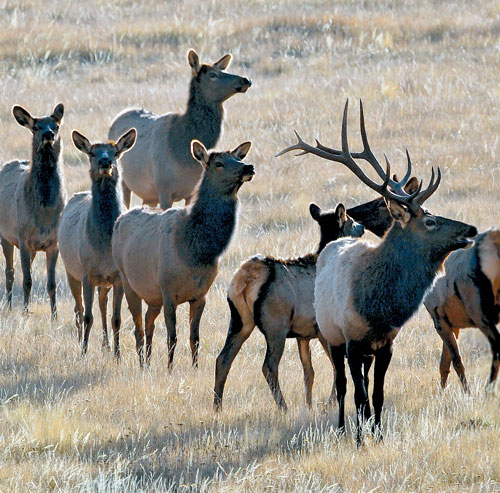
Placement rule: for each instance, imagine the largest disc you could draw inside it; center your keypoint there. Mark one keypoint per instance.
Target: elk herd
(351, 294)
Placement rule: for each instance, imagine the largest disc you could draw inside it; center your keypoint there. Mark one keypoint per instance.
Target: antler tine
(423, 196)
(295, 147)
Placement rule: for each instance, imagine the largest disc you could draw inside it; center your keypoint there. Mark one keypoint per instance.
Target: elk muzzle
(244, 85)
(247, 173)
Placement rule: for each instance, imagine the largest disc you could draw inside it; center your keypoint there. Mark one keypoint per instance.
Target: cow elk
(161, 168)
(85, 232)
(365, 292)
(277, 296)
(31, 201)
(168, 258)
(468, 295)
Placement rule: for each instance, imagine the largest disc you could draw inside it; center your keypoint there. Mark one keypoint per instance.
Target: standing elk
(31, 201)
(171, 257)
(468, 295)
(161, 168)
(277, 296)
(365, 292)
(85, 232)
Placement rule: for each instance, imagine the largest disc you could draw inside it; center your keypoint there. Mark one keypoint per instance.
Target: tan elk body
(160, 167)
(364, 292)
(31, 201)
(85, 232)
(168, 258)
(467, 294)
(277, 295)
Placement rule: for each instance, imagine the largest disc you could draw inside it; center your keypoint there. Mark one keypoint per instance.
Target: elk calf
(85, 233)
(277, 296)
(161, 168)
(168, 258)
(31, 201)
(468, 295)
(365, 292)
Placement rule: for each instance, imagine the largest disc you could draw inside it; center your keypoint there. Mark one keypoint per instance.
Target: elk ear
(242, 150)
(194, 62)
(398, 212)
(411, 185)
(340, 214)
(58, 113)
(81, 142)
(315, 211)
(199, 152)
(23, 117)
(224, 62)
(126, 141)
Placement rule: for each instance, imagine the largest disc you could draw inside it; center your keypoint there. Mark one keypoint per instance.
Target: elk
(364, 292)
(31, 201)
(468, 295)
(85, 232)
(277, 296)
(168, 258)
(161, 168)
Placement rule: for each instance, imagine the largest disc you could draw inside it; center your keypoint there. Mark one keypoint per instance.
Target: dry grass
(428, 75)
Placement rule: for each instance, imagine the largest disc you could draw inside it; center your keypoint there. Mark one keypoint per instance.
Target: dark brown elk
(468, 295)
(31, 201)
(365, 292)
(277, 296)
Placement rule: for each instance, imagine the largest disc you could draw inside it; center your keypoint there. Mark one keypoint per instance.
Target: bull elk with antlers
(365, 292)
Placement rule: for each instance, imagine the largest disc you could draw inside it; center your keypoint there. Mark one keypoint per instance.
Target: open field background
(428, 74)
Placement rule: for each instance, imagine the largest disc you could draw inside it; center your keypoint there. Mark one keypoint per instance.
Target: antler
(413, 201)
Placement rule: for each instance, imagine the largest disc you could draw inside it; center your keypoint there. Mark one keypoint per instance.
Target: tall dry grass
(428, 75)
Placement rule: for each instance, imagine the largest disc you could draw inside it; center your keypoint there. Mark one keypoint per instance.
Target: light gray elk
(85, 233)
(364, 292)
(168, 258)
(31, 201)
(161, 168)
(277, 295)
(468, 295)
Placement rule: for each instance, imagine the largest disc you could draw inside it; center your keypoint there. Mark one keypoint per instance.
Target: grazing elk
(365, 292)
(85, 232)
(168, 258)
(468, 295)
(31, 201)
(277, 296)
(160, 168)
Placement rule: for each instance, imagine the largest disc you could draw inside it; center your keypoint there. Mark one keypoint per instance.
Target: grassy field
(428, 74)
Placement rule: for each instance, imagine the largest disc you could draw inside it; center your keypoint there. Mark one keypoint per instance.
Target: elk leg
(382, 359)
(328, 351)
(170, 322)
(88, 318)
(76, 290)
(338, 354)
(8, 251)
(445, 364)
(165, 201)
(126, 194)
(237, 334)
(491, 332)
(274, 351)
(355, 360)
(26, 259)
(103, 308)
(307, 367)
(195, 312)
(51, 261)
(151, 315)
(116, 318)
(135, 308)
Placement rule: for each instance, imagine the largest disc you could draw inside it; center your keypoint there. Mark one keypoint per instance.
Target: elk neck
(44, 182)
(210, 224)
(391, 284)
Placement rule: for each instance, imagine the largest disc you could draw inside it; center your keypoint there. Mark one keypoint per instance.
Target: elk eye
(219, 164)
(212, 75)
(430, 223)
